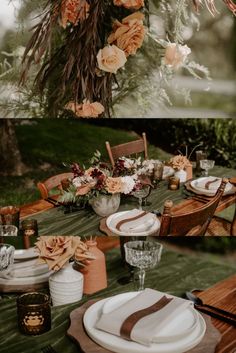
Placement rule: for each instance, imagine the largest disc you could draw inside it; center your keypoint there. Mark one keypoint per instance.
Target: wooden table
(223, 295)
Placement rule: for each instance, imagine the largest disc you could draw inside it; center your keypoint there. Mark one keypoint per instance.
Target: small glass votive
(34, 313)
(158, 171)
(6, 259)
(173, 183)
(8, 231)
(10, 215)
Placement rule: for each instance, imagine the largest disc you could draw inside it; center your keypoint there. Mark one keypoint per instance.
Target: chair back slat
(53, 182)
(127, 149)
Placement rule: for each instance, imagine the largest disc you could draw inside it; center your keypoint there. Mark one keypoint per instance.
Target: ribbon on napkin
(130, 321)
(119, 224)
(207, 185)
(141, 318)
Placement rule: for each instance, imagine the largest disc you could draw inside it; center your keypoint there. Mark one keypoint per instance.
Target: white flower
(79, 181)
(131, 163)
(176, 55)
(128, 184)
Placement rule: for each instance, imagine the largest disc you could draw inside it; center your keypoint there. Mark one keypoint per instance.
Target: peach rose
(73, 11)
(176, 54)
(129, 4)
(86, 109)
(179, 162)
(129, 34)
(84, 189)
(111, 58)
(113, 185)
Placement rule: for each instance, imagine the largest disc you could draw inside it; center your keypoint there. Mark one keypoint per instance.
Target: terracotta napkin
(142, 317)
(135, 221)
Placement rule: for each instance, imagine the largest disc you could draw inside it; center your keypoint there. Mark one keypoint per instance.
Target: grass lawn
(46, 143)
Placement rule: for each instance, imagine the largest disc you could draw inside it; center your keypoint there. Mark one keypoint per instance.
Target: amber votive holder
(29, 227)
(34, 313)
(10, 215)
(173, 183)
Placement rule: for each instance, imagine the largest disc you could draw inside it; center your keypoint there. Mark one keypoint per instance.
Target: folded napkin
(210, 183)
(135, 221)
(142, 317)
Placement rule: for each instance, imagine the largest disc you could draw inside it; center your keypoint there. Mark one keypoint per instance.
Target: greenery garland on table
(80, 46)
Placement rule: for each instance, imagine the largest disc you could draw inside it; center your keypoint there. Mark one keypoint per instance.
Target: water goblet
(143, 254)
(206, 164)
(6, 259)
(142, 193)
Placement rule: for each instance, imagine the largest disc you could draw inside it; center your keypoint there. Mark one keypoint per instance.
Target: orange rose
(111, 58)
(129, 4)
(176, 55)
(129, 34)
(84, 189)
(113, 185)
(86, 109)
(73, 11)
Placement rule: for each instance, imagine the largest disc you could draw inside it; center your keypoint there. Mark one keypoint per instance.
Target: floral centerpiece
(56, 251)
(95, 183)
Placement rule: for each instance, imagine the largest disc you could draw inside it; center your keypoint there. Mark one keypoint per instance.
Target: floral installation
(80, 49)
(56, 251)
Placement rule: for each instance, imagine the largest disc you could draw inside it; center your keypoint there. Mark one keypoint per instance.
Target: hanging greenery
(82, 47)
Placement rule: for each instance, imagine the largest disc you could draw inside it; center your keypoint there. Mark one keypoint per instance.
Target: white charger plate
(119, 345)
(113, 219)
(195, 184)
(24, 254)
(28, 268)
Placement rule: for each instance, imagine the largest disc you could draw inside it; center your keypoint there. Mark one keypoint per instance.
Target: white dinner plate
(113, 219)
(24, 254)
(30, 268)
(119, 345)
(197, 186)
(20, 281)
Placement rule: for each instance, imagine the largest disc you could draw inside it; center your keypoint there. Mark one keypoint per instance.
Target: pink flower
(73, 11)
(129, 4)
(111, 58)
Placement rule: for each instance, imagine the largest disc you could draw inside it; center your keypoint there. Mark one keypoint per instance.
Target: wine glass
(143, 254)
(6, 259)
(140, 194)
(206, 164)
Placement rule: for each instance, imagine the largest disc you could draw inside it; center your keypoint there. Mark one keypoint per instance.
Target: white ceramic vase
(66, 285)
(182, 175)
(105, 205)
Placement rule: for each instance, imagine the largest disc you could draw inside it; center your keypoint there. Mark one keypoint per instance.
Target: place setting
(142, 321)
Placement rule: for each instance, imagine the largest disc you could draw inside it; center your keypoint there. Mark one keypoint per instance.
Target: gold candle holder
(173, 183)
(34, 313)
(29, 228)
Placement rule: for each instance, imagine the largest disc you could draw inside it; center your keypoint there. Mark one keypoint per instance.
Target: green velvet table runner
(176, 274)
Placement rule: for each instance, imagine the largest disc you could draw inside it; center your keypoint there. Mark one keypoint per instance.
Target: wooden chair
(194, 222)
(222, 227)
(53, 182)
(127, 149)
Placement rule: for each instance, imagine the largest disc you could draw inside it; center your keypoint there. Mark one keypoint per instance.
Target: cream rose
(129, 4)
(129, 34)
(111, 58)
(113, 185)
(86, 109)
(176, 54)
